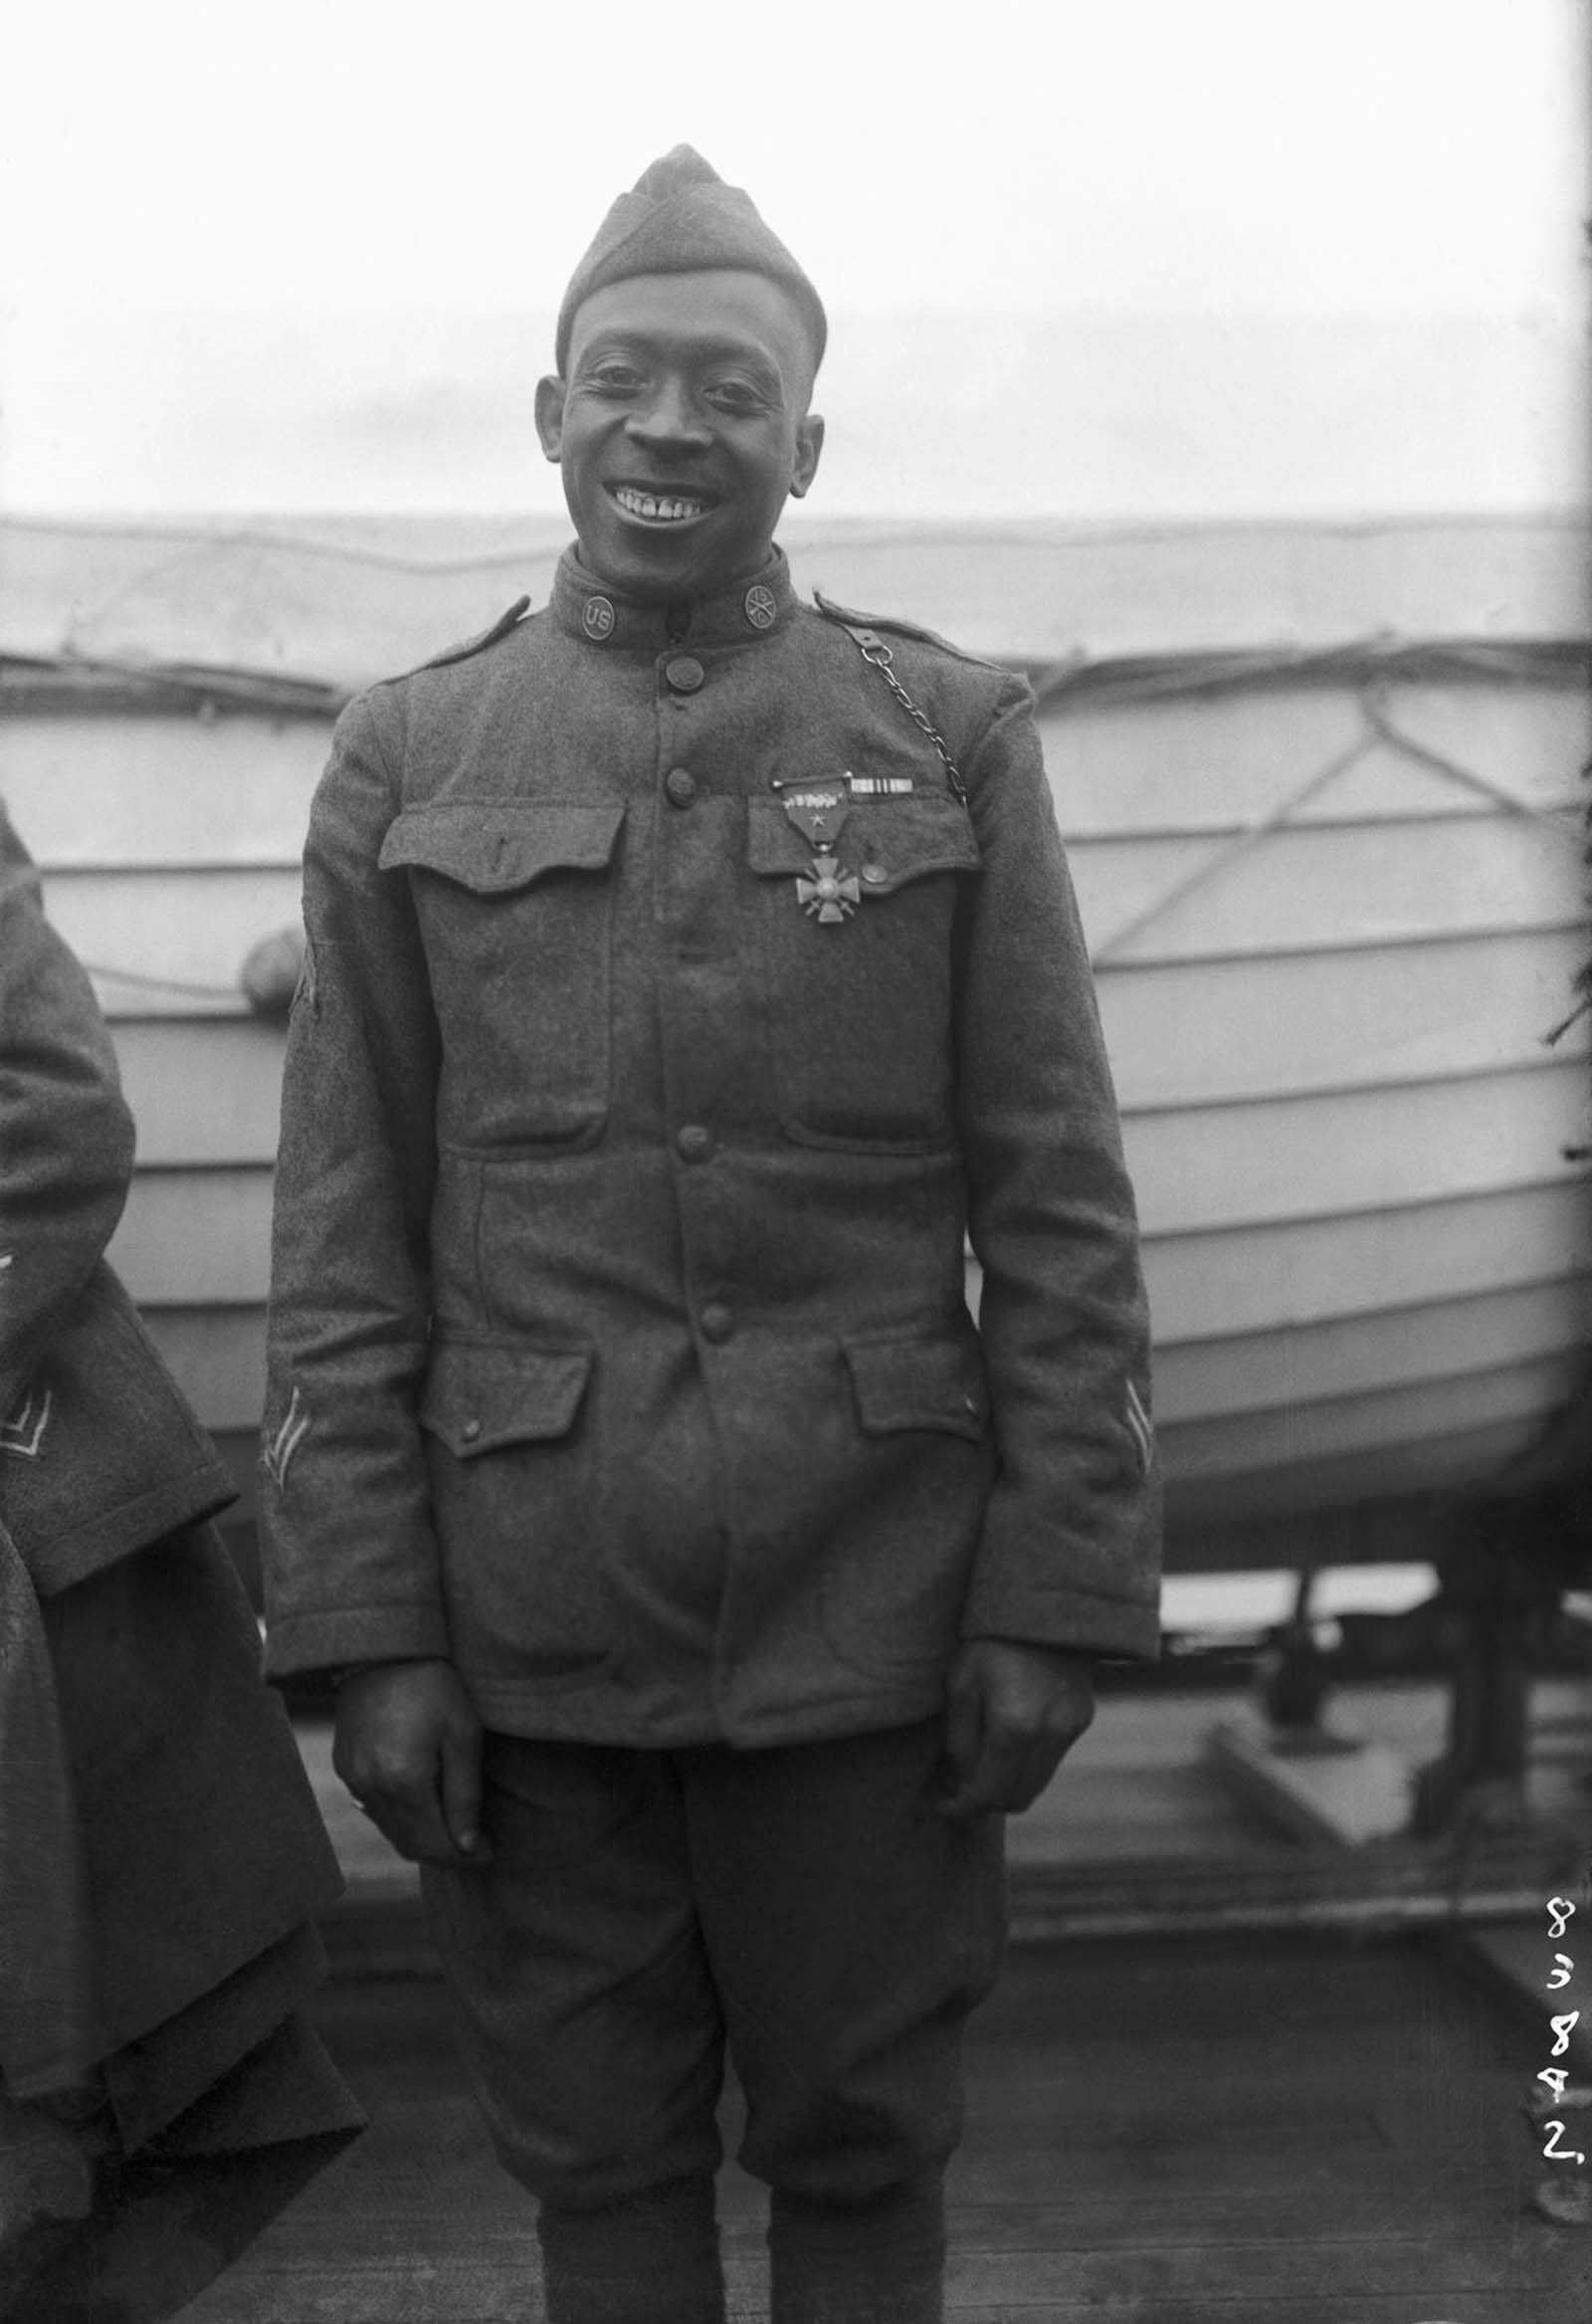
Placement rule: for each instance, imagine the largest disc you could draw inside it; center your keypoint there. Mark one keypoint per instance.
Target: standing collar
(750, 608)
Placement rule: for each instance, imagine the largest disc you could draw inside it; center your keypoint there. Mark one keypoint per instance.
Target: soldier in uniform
(160, 1850)
(690, 972)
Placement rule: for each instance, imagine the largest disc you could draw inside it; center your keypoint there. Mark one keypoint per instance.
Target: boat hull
(1337, 905)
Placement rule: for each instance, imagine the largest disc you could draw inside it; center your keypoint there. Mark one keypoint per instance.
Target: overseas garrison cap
(680, 218)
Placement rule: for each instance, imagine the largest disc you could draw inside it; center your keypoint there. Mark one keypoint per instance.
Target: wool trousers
(801, 1908)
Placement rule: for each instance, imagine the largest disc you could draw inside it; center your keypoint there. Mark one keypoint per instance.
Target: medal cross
(831, 895)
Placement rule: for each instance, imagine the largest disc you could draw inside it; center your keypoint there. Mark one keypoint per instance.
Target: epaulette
(876, 653)
(478, 645)
(892, 622)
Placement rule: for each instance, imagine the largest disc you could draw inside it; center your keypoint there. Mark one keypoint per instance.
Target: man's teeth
(669, 511)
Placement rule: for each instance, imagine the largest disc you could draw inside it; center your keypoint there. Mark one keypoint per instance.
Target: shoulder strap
(876, 654)
(487, 637)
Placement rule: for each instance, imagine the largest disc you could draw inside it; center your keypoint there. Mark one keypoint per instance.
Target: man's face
(680, 427)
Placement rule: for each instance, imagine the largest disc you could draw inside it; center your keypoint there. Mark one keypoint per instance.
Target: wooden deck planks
(1189, 2131)
(1229, 2133)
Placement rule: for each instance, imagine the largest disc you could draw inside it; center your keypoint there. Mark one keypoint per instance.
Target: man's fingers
(411, 1808)
(1035, 1770)
(408, 1747)
(414, 1822)
(964, 1728)
(461, 1792)
(1012, 1715)
(987, 1777)
(1010, 1770)
(964, 1743)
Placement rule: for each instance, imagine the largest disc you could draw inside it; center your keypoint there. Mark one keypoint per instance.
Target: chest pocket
(514, 902)
(860, 994)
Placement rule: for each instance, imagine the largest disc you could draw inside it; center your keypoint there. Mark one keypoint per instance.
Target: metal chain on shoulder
(876, 654)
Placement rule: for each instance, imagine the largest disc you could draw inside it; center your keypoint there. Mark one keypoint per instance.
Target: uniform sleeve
(349, 1548)
(1070, 1553)
(65, 1134)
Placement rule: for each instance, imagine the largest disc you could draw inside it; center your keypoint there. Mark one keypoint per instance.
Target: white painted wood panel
(1291, 1501)
(196, 1237)
(235, 789)
(1206, 1287)
(1296, 891)
(1336, 1427)
(192, 1237)
(1216, 1031)
(1303, 1158)
(218, 1354)
(1326, 887)
(1225, 761)
(163, 790)
(208, 1091)
(1049, 590)
(1530, 740)
(1368, 1264)
(1378, 1501)
(193, 930)
(1272, 1370)
(1418, 1435)
(202, 1093)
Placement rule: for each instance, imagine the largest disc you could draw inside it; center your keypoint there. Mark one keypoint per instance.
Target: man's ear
(809, 444)
(551, 415)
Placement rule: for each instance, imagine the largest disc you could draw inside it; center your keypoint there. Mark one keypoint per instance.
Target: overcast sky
(1197, 256)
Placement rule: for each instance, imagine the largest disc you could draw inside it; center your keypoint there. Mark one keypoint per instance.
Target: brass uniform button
(694, 1143)
(684, 673)
(681, 786)
(718, 1323)
(875, 874)
(471, 1430)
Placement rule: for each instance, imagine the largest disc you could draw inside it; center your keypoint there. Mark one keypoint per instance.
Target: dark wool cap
(680, 218)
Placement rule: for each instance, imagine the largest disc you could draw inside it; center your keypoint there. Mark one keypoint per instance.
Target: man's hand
(408, 1748)
(1013, 1713)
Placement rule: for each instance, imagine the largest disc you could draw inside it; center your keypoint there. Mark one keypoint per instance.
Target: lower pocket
(896, 1571)
(510, 1457)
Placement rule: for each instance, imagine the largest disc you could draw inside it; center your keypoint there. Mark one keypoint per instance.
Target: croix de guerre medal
(818, 810)
(830, 894)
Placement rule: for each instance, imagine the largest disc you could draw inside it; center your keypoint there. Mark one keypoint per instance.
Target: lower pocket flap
(920, 1383)
(476, 1400)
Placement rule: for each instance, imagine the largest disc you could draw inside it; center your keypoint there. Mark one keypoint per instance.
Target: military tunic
(619, 1347)
(160, 1849)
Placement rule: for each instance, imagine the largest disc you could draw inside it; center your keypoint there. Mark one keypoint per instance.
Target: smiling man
(680, 418)
(690, 971)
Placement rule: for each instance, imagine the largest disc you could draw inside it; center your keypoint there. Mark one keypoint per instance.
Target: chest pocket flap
(897, 841)
(496, 845)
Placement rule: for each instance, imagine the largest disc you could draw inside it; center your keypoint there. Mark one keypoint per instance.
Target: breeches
(803, 1905)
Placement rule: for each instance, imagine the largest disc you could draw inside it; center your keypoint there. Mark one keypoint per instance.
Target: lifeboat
(1321, 789)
